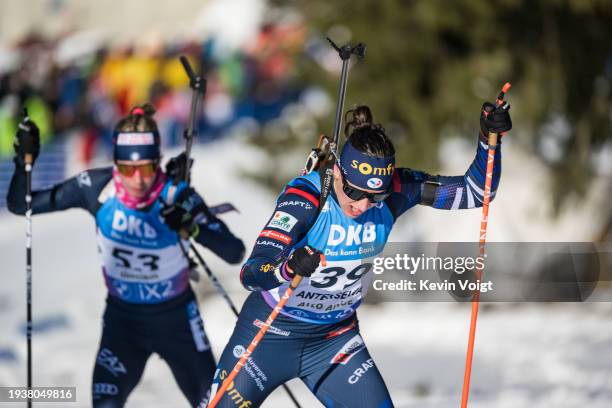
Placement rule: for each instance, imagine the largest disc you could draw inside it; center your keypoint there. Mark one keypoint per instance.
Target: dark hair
(140, 119)
(365, 135)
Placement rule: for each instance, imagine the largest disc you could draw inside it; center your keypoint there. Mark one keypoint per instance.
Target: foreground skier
(316, 336)
(139, 214)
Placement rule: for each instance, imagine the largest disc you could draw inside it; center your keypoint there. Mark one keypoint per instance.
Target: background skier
(140, 212)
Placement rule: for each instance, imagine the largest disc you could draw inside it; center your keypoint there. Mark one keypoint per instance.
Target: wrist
(483, 136)
(282, 273)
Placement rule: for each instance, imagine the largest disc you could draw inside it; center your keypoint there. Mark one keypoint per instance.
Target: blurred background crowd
(428, 67)
(83, 81)
(89, 94)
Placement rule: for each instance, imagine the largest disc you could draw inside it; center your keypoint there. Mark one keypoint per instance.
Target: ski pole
(28, 159)
(198, 84)
(326, 185)
(295, 282)
(481, 246)
(219, 288)
(345, 53)
(215, 281)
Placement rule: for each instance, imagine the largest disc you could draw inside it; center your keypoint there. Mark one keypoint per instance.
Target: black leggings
(130, 335)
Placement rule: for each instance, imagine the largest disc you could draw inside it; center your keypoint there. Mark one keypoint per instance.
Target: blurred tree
(431, 63)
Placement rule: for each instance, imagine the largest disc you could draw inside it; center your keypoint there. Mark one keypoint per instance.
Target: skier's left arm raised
(455, 192)
(190, 214)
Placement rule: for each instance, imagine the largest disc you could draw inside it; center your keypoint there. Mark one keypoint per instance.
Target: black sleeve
(212, 232)
(81, 191)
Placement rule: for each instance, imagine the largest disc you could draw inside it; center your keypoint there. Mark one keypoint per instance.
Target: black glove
(176, 168)
(27, 141)
(185, 214)
(303, 261)
(494, 119)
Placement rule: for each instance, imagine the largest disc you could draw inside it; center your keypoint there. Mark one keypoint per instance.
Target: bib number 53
(129, 260)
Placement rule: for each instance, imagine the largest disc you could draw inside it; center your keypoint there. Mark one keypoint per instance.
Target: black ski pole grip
(359, 50)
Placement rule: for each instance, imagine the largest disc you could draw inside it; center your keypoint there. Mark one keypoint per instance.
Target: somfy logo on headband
(367, 169)
(364, 171)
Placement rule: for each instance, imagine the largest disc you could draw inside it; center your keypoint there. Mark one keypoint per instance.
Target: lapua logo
(354, 234)
(132, 225)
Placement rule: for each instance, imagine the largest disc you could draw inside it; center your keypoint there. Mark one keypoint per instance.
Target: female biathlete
(316, 336)
(139, 212)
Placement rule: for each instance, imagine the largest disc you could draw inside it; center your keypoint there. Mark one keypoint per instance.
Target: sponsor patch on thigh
(348, 350)
(271, 329)
(251, 368)
(237, 398)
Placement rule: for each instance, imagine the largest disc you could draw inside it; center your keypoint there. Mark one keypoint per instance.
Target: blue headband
(136, 146)
(366, 172)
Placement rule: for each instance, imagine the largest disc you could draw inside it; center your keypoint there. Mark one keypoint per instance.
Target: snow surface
(530, 355)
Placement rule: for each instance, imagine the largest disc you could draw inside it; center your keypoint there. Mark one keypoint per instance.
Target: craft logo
(283, 221)
(358, 373)
(295, 203)
(367, 169)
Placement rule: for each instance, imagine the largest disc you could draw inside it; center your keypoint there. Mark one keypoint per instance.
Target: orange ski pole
(295, 282)
(247, 354)
(482, 242)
